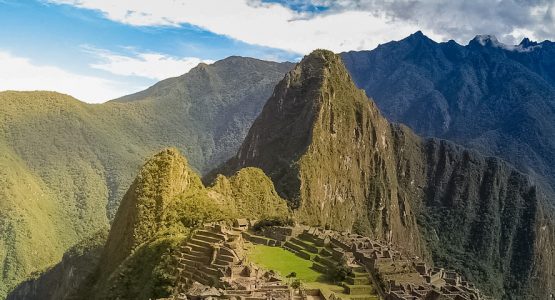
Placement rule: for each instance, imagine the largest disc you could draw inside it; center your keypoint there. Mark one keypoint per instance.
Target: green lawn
(284, 262)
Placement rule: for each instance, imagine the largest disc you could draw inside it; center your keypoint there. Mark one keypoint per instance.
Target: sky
(97, 50)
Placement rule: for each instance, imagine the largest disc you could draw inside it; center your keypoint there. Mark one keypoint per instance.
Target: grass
(284, 262)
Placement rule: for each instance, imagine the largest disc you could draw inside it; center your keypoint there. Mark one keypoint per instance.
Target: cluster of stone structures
(211, 264)
(397, 276)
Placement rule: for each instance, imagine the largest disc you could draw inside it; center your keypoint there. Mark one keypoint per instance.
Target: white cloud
(149, 65)
(21, 74)
(346, 25)
(254, 22)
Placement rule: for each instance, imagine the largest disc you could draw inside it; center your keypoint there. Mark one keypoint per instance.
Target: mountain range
(492, 97)
(325, 146)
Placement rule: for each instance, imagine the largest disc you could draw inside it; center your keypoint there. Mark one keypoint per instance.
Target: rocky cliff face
(340, 163)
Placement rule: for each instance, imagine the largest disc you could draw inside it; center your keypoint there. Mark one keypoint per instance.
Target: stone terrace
(211, 264)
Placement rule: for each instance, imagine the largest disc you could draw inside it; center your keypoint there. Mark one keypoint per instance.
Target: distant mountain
(496, 98)
(341, 164)
(65, 165)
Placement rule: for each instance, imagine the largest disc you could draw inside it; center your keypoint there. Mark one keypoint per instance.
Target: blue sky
(97, 50)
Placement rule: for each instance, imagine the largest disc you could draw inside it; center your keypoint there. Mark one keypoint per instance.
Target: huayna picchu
(326, 199)
(340, 164)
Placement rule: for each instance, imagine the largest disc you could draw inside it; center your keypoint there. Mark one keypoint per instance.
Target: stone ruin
(399, 277)
(211, 265)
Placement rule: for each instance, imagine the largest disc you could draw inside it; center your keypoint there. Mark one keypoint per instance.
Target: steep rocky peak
(284, 127)
(526, 42)
(490, 41)
(486, 40)
(330, 152)
(419, 36)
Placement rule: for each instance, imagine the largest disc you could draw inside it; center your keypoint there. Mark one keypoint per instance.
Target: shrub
(340, 273)
(296, 284)
(273, 221)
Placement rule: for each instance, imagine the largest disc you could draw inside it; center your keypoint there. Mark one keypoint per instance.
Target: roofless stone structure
(213, 264)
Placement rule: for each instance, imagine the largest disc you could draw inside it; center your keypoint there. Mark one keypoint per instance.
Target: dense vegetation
(65, 165)
(63, 280)
(164, 204)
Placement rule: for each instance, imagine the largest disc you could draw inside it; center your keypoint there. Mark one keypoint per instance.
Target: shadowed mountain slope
(495, 98)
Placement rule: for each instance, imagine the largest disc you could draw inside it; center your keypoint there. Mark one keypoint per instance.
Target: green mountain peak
(146, 207)
(340, 163)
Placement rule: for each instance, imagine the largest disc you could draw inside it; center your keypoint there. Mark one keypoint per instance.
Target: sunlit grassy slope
(65, 165)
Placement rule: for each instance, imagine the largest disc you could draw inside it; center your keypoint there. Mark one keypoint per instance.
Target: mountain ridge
(496, 99)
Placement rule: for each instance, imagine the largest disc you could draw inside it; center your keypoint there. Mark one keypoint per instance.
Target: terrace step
(196, 253)
(255, 239)
(211, 271)
(325, 252)
(359, 269)
(201, 259)
(357, 280)
(307, 237)
(187, 263)
(196, 241)
(199, 248)
(306, 245)
(359, 289)
(360, 274)
(209, 233)
(291, 244)
(326, 261)
(208, 239)
(223, 263)
(226, 258)
(305, 255)
(219, 266)
(320, 268)
(201, 279)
